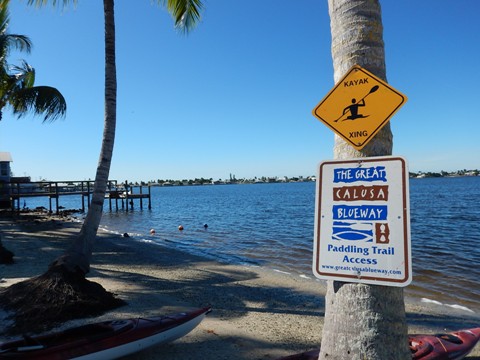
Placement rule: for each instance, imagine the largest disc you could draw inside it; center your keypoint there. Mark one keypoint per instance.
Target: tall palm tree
(69, 269)
(78, 257)
(362, 321)
(17, 90)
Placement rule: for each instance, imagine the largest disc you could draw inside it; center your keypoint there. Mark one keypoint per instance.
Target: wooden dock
(124, 193)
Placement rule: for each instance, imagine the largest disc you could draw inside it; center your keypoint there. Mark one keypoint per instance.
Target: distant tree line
(231, 180)
(442, 173)
(285, 179)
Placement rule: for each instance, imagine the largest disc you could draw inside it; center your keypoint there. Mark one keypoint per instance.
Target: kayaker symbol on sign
(353, 108)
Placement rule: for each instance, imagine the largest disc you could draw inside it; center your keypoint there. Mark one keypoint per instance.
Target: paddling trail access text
(365, 251)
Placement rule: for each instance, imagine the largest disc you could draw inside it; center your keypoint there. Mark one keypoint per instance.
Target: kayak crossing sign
(362, 222)
(358, 106)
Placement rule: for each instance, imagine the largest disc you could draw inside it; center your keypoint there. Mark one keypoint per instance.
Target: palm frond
(40, 3)
(17, 81)
(186, 13)
(9, 41)
(3, 16)
(19, 42)
(41, 100)
(24, 75)
(4, 5)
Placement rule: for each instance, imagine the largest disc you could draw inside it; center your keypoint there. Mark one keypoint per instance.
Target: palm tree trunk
(78, 256)
(362, 321)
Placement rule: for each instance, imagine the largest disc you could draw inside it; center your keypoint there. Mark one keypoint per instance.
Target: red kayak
(104, 340)
(451, 346)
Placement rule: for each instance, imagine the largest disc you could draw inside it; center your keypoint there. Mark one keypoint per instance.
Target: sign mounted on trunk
(362, 222)
(358, 106)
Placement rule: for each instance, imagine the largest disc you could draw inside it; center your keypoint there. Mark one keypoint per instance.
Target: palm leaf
(41, 100)
(24, 75)
(40, 3)
(9, 41)
(185, 12)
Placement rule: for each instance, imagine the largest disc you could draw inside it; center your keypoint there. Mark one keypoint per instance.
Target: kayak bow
(104, 340)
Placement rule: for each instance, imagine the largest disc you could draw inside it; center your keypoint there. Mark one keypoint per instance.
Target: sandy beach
(257, 313)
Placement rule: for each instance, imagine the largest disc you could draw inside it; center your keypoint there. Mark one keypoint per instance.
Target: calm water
(271, 225)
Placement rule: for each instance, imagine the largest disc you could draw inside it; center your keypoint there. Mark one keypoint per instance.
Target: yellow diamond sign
(359, 106)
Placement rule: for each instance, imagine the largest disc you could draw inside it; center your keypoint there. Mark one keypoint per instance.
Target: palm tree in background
(362, 321)
(186, 14)
(17, 90)
(71, 268)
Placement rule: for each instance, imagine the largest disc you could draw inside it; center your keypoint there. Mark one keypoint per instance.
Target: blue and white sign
(362, 222)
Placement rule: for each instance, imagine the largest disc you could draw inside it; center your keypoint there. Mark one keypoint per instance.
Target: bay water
(272, 225)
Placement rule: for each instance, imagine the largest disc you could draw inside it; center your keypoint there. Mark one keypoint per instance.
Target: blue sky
(236, 95)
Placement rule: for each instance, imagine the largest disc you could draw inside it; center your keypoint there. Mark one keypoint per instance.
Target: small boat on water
(104, 340)
(451, 346)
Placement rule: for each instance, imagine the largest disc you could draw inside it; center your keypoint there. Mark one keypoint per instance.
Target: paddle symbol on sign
(353, 108)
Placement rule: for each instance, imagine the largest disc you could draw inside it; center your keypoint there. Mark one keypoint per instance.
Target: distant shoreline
(270, 180)
(263, 180)
(458, 173)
